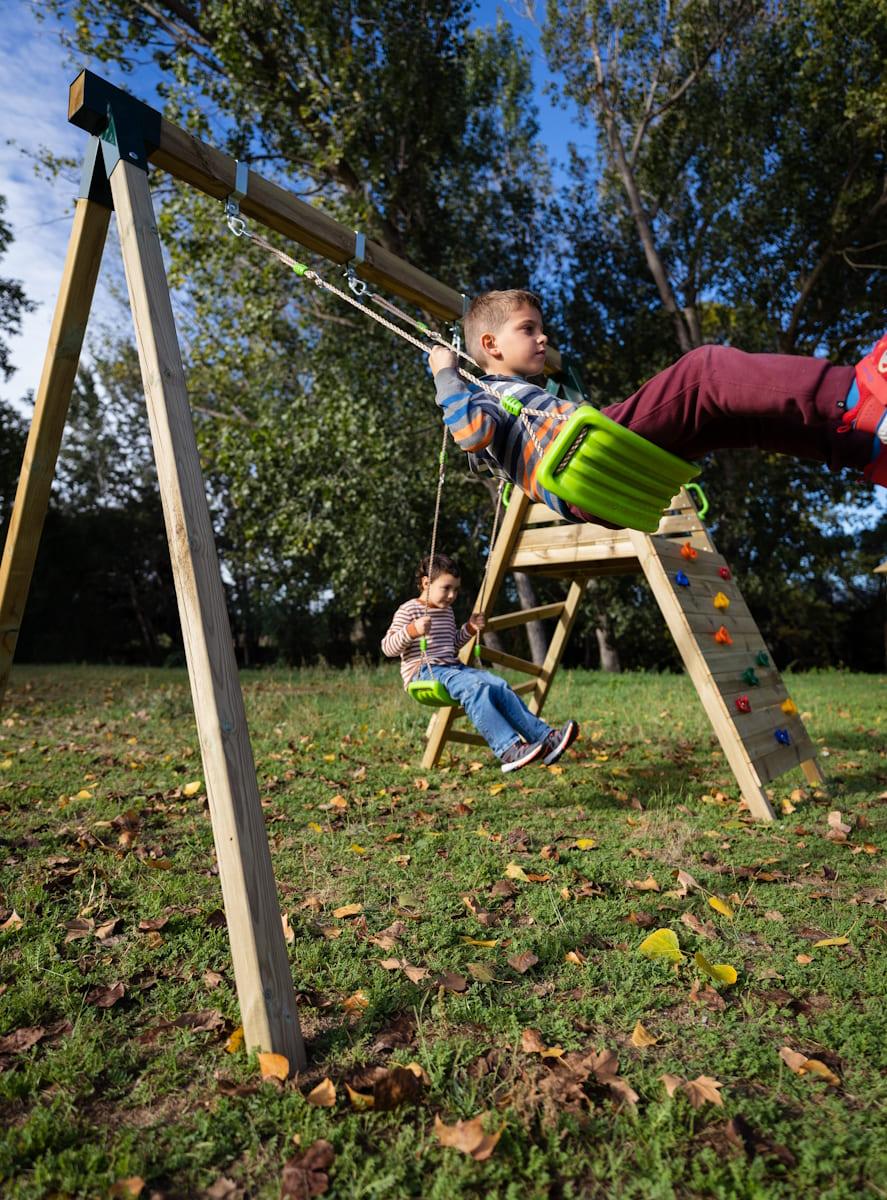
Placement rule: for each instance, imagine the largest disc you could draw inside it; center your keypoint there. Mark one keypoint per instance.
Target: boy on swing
(712, 398)
(515, 735)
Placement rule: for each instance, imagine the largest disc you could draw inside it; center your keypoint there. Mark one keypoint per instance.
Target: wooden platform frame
(534, 540)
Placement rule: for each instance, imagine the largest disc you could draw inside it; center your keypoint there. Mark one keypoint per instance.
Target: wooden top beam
(185, 157)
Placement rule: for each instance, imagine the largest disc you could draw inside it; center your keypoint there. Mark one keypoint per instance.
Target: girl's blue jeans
(498, 715)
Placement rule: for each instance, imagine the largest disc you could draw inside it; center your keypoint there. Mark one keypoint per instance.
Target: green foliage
(13, 301)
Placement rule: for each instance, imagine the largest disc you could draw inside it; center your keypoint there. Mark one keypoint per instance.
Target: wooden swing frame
(127, 136)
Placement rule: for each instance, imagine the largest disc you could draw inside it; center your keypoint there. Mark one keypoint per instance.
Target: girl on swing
(513, 733)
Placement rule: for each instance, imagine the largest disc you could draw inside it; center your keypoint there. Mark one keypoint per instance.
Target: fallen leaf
(470, 941)
(360, 1100)
(522, 962)
(273, 1066)
(643, 885)
(574, 957)
(450, 981)
(481, 972)
(802, 1065)
(127, 1187)
(803, 959)
(641, 1038)
(468, 1136)
(686, 882)
(235, 1041)
(721, 972)
(358, 1001)
(323, 1095)
(585, 843)
(399, 1085)
(701, 1090)
(706, 930)
(288, 934)
(305, 1176)
(13, 921)
(191, 789)
(835, 941)
(662, 944)
(513, 871)
(720, 906)
(105, 997)
(347, 910)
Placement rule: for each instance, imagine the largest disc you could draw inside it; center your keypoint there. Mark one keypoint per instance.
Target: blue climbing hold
(681, 579)
(783, 737)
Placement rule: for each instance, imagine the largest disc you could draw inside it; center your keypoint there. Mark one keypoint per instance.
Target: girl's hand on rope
(440, 358)
(422, 627)
(476, 622)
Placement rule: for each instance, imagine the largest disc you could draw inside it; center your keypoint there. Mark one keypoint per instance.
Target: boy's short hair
(488, 312)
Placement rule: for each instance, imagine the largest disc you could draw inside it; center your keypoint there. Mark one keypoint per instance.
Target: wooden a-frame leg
(261, 968)
(72, 307)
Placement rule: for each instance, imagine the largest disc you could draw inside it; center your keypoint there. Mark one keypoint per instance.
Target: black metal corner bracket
(128, 129)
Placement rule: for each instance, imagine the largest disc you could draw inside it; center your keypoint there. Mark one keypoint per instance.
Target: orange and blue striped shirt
(483, 428)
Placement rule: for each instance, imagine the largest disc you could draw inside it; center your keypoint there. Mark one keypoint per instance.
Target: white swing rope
(240, 229)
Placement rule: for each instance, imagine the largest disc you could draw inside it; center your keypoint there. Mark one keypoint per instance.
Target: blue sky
(33, 116)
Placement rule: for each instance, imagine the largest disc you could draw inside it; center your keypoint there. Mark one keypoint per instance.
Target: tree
(317, 432)
(13, 301)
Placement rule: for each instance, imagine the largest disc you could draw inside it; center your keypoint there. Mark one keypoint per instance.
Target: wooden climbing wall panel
(759, 728)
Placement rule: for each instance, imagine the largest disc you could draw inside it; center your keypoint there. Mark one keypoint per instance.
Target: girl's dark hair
(441, 564)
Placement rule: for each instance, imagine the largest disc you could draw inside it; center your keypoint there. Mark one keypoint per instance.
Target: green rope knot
(301, 268)
(512, 405)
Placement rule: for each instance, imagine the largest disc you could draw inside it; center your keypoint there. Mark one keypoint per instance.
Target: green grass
(114, 1098)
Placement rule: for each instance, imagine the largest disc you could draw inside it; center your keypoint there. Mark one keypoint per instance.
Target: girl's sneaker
(521, 754)
(558, 740)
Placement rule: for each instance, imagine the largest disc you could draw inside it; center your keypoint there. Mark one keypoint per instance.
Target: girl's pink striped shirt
(444, 640)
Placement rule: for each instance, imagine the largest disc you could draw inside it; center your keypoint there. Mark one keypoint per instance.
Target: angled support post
(84, 256)
(261, 967)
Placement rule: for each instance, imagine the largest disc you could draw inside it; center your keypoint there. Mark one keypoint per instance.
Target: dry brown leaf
(468, 1136)
(273, 1066)
(399, 1085)
(288, 934)
(127, 1187)
(360, 1100)
(13, 921)
(701, 1090)
(686, 882)
(105, 997)
(323, 1095)
(358, 1001)
(522, 962)
(802, 1065)
(704, 929)
(641, 1038)
(575, 957)
(305, 1176)
(347, 910)
(643, 885)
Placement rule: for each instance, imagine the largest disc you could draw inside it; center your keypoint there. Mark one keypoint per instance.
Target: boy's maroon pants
(717, 398)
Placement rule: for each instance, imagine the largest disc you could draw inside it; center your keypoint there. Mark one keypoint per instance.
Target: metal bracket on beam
(358, 286)
(236, 223)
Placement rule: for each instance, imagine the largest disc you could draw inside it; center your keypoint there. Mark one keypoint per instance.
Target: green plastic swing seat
(431, 692)
(610, 471)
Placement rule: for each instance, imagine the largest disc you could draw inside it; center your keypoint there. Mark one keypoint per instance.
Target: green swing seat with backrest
(612, 472)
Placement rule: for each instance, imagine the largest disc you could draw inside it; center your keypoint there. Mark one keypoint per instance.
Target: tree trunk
(608, 652)
(535, 630)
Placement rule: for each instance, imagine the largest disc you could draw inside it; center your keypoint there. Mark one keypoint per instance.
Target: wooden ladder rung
(523, 616)
(462, 735)
(510, 660)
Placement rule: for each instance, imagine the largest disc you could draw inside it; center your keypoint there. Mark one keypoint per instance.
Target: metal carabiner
(236, 224)
(358, 286)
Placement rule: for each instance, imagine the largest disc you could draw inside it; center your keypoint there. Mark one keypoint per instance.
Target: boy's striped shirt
(443, 640)
(482, 427)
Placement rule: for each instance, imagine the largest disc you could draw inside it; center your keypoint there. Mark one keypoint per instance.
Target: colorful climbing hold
(721, 601)
(751, 678)
(681, 579)
(723, 637)
(724, 573)
(762, 658)
(743, 703)
(783, 737)
(688, 551)
(789, 707)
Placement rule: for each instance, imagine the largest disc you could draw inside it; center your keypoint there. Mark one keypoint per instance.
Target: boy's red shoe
(876, 471)
(871, 379)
